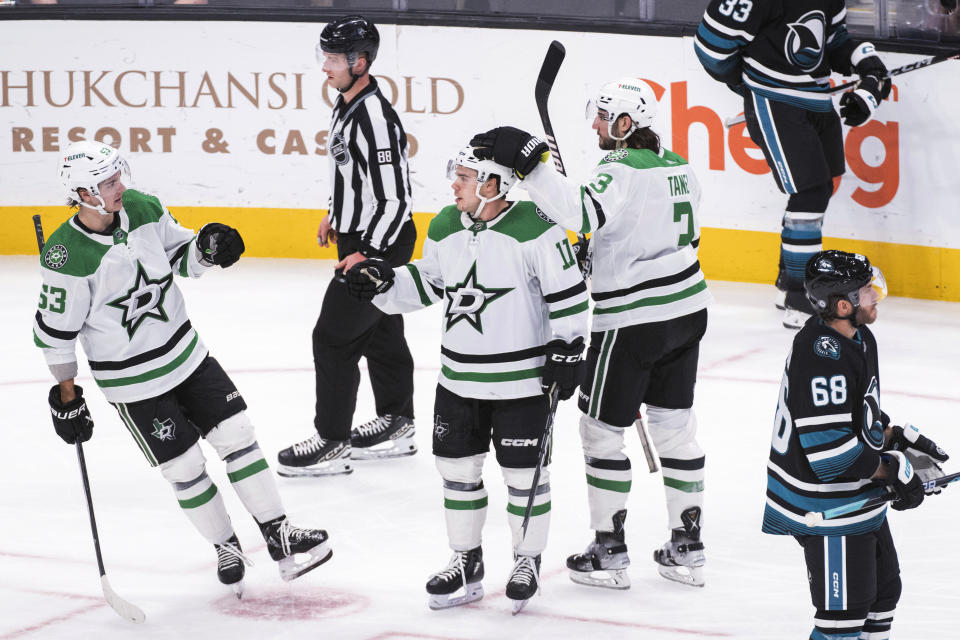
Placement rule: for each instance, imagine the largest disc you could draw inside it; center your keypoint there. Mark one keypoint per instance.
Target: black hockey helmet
(350, 35)
(834, 275)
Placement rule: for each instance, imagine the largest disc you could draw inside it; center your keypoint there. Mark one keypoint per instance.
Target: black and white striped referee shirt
(368, 169)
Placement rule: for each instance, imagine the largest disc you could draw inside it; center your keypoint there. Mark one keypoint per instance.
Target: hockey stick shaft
(125, 609)
(888, 496)
(907, 68)
(648, 452)
(541, 458)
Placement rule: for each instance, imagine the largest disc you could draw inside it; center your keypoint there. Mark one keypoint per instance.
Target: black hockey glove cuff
(857, 106)
(71, 420)
(903, 480)
(369, 278)
(219, 244)
(511, 147)
(564, 365)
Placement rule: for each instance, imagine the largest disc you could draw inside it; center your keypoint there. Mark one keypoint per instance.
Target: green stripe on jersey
(620, 486)
(199, 500)
(137, 436)
(522, 223)
(538, 510)
(654, 301)
(600, 372)
(644, 158)
(141, 209)
(569, 311)
(247, 471)
(465, 505)
(501, 376)
(445, 223)
(153, 374)
(415, 274)
(681, 485)
(37, 341)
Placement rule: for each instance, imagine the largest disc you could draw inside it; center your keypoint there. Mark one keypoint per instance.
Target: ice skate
(285, 542)
(605, 561)
(780, 299)
(796, 309)
(681, 559)
(385, 436)
(463, 574)
(315, 457)
(230, 564)
(524, 581)
(794, 318)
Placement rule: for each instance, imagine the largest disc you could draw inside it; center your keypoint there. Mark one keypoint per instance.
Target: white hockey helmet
(631, 96)
(485, 169)
(85, 164)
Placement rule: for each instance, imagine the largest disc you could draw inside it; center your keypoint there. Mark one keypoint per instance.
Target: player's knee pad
(673, 432)
(467, 470)
(188, 466)
(812, 199)
(232, 435)
(601, 440)
(522, 479)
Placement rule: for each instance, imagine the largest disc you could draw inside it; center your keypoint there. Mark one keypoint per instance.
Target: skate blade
(237, 589)
(691, 576)
(392, 449)
(780, 300)
(472, 593)
(604, 578)
(518, 606)
(290, 569)
(327, 469)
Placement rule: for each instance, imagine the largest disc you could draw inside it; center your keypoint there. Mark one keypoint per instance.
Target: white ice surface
(385, 520)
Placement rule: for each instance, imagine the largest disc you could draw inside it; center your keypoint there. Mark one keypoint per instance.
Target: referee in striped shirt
(369, 215)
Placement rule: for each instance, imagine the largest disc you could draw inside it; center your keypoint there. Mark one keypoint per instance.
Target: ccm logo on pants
(519, 442)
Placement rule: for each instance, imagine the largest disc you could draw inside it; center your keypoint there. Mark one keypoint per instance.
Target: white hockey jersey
(642, 209)
(116, 293)
(508, 286)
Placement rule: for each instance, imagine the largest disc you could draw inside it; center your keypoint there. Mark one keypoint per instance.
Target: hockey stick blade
(548, 75)
(124, 609)
(815, 517)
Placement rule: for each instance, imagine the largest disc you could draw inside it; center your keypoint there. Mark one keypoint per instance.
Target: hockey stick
(123, 608)
(814, 518)
(913, 66)
(645, 443)
(541, 459)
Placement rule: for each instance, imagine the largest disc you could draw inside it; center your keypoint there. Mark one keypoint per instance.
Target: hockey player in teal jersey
(833, 444)
(515, 319)
(640, 203)
(108, 280)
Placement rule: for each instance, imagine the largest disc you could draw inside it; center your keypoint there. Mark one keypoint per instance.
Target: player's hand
(900, 476)
(908, 437)
(326, 234)
(564, 365)
(369, 278)
(219, 244)
(511, 147)
(581, 249)
(872, 67)
(71, 420)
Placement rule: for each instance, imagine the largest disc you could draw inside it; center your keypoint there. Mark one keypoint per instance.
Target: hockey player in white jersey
(108, 280)
(515, 319)
(640, 203)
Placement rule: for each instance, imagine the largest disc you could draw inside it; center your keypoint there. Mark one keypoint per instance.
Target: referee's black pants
(348, 329)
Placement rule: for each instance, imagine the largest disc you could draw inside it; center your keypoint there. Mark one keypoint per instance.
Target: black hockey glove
(922, 452)
(581, 250)
(564, 365)
(511, 147)
(368, 278)
(858, 105)
(219, 244)
(71, 420)
(903, 481)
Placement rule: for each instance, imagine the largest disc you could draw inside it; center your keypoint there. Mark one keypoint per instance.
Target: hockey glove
(511, 147)
(368, 278)
(71, 420)
(564, 365)
(857, 106)
(908, 437)
(581, 250)
(903, 481)
(219, 244)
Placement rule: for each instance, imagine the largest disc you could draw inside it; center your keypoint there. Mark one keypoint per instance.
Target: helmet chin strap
(353, 76)
(483, 203)
(620, 140)
(101, 208)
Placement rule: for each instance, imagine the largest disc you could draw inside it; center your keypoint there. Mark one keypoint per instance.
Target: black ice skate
(285, 542)
(464, 572)
(524, 581)
(605, 561)
(315, 457)
(230, 561)
(682, 559)
(383, 437)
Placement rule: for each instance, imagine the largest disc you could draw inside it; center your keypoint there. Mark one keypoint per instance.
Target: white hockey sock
(465, 510)
(681, 459)
(609, 475)
(203, 505)
(539, 525)
(255, 485)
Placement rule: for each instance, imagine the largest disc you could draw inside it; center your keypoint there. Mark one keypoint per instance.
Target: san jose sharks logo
(872, 426)
(467, 300)
(164, 430)
(143, 300)
(803, 45)
(827, 347)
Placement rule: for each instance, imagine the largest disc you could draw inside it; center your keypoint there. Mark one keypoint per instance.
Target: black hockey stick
(815, 517)
(123, 608)
(913, 66)
(541, 459)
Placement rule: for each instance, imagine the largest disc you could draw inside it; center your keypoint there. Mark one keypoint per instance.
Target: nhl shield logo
(827, 347)
(338, 149)
(164, 430)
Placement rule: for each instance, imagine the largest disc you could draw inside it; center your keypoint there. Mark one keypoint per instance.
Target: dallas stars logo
(143, 300)
(467, 300)
(163, 430)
